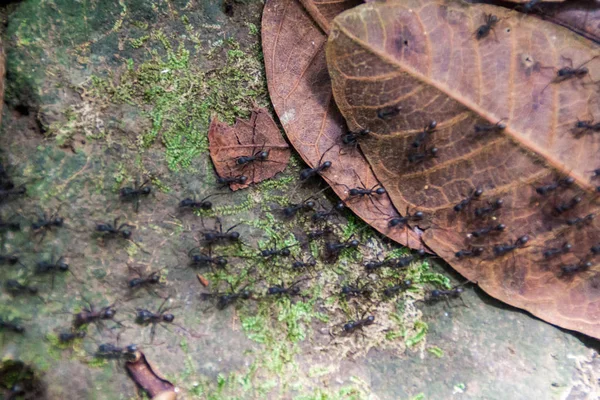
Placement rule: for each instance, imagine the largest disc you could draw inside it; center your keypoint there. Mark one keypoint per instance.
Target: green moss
(436, 351)
(421, 328)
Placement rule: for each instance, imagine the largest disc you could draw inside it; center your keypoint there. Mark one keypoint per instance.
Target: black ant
(422, 136)
(152, 279)
(45, 223)
(572, 269)
(90, 315)
(489, 128)
(472, 252)
(301, 265)
(68, 337)
(279, 290)
(51, 266)
(270, 253)
(388, 112)
(14, 287)
(318, 233)
(191, 204)
(404, 262)
(6, 193)
(200, 259)
(596, 172)
(555, 252)
(9, 226)
(484, 30)
(490, 208)
(228, 180)
(595, 250)
(5, 182)
(438, 294)
(583, 127)
(568, 206)
(292, 209)
(321, 166)
(110, 351)
(333, 249)
(476, 194)
(356, 290)
(374, 265)
(10, 259)
(352, 138)
(135, 193)
(403, 221)
(551, 187)
(352, 326)
(568, 73)
(416, 158)
(580, 221)
(113, 230)
(145, 317)
(505, 248)
(479, 233)
(529, 6)
(218, 236)
(224, 300)
(259, 156)
(11, 326)
(325, 215)
(362, 192)
(393, 290)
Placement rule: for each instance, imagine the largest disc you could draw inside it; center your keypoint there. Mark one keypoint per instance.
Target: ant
(484, 30)
(583, 127)
(505, 248)
(555, 252)
(551, 187)
(568, 206)
(135, 193)
(11, 326)
(6, 193)
(388, 112)
(191, 204)
(321, 166)
(529, 6)
(479, 233)
(110, 351)
(279, 290)
(416, 158)
(269, 253)
(406, 261)
(403, 221)
(438, 294)
(356, 290)
(112, 230)
(292, 209)
(145, 317)
(362, 191)
(9, 226)
(352, 138)
(224, 300)
(45, 223)
(393, 290)
(595, 250)
(9, 259)
(422, 136)
(67, 337)
(89, 315)
(218, 236)
(473, 252)
(595, 173)
(352, 326)
(325, 215)
(570, 270)
(581, 221)
(300, 265)
(333, 249)
(373, 265)
(494, 206)
(51, 266)
(317, 233)
(200, 259)
(568, 73)
(143, 281)
(488, 128)
(14, 287)
(466, 201)
(228, 180)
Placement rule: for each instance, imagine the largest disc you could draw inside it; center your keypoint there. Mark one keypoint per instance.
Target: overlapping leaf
(423, 56)
(300, 89)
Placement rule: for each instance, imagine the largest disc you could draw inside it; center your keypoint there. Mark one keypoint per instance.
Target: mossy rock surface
(101, 93)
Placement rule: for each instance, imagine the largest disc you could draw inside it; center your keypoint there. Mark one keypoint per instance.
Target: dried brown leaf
(247, 138)
(300, 90)
(423, 56)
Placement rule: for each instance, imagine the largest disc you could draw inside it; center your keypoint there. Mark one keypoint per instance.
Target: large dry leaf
(300, 90)
(423, 56)
(581, 16)
(248, 139)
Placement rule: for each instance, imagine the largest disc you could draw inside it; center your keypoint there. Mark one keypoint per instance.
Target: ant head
(108, 313)
(196, 258)
(459, 290)
(289, 211)
(146, 190)
(435, 293)
(63, 266)
(295, 290)
(522, 240)
(501, 125)
(370, 266)
(59, 221)
(310, 204)
(407, 283)
(155, 278)
(340, 206)
(434, 151)
(394, 222)
(206, 205)
(285, 252)
(263, 155)
(500, 227)
(584, 70)
(12, 259)
(499, 203)
(493, 19)
(431, 125)
(81, 334)
(242, 179)
(33, 290)
(418, 215)
(421, 252)
(567, 247)
(126, 233)
(221, 262)
(245, 294)
(168, 317)
(19, 328)
(348, 326)
(478, 192)
(380, 191)
(479, 250)
(346, 290)
(364, 132)
(371, 318)
(105, 348)
(234, 235)
(132, 348)
(353, 243)
(326, 164)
